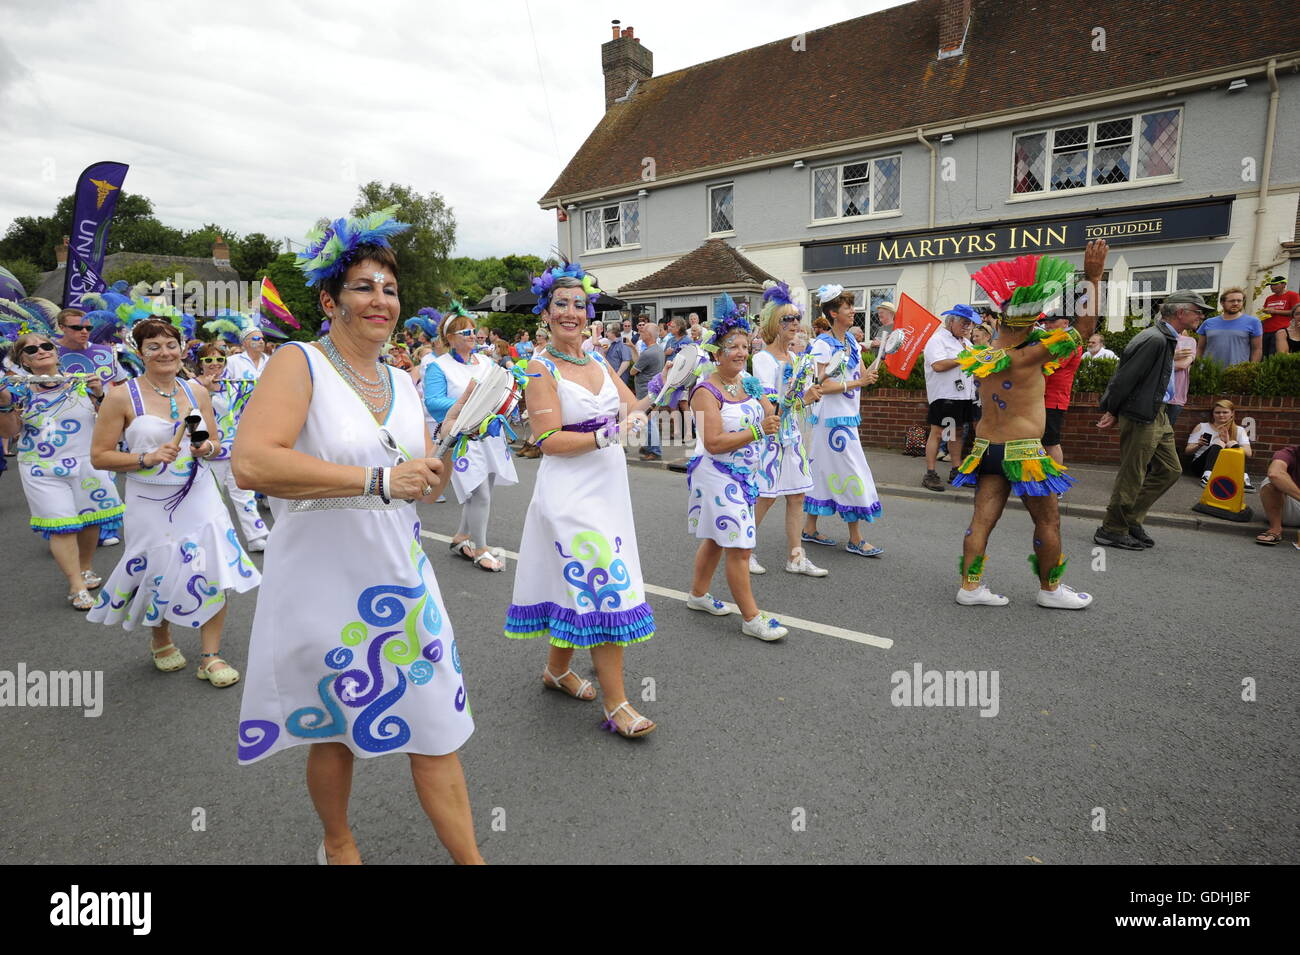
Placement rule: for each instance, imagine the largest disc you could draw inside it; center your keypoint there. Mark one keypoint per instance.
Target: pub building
(898, 152)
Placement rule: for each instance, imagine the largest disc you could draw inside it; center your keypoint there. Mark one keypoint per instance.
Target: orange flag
(913, 326)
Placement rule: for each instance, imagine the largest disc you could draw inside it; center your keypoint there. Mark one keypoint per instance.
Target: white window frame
(709, 209)
(1133, 182)
(862, 296)
(874, 213)
(622, 228)
(1140, 303)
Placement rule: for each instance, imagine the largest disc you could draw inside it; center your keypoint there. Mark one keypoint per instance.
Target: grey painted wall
(774, 204)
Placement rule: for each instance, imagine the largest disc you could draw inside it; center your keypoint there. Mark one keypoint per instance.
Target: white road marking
(794, 623)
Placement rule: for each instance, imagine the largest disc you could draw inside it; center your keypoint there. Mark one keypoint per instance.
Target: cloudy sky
(264, 116)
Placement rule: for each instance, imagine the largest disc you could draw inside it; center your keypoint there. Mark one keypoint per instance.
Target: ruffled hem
(163, 583)
(844, 421)
(571, 630)
(110, 519)
(848, 512)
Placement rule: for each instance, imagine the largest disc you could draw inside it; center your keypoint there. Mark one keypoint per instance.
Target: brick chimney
(624, 61)
(954, 21)
(61, 255)
(220, 253)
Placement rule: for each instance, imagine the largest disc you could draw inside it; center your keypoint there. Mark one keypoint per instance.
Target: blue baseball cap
(966, 312)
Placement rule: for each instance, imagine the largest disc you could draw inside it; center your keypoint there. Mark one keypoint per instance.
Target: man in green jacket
(1136, 397)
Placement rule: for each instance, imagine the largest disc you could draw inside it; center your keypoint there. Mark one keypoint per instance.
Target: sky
(266, 116)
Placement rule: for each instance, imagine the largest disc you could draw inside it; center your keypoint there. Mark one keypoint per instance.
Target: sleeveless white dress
(65, 494)
(351, 642)
(177, 561)
(842, 482)
(227, 406)
(784, 468)
(578, 577)
(722, 489)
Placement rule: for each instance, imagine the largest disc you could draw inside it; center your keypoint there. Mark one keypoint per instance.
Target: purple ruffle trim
(569, 628)
(848, 513)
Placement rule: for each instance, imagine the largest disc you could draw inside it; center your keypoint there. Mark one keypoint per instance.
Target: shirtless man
(1008, 453)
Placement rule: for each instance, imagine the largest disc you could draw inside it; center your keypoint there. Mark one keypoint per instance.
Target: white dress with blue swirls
(722, 489)
(351, 642)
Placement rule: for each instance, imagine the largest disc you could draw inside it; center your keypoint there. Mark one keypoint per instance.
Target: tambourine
(682, 371)
(495, 394)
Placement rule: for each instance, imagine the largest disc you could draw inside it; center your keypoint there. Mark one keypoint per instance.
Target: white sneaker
(981, 598)
(1250, 488)
(708, 604)
(110, 542)
(764, 627)
(1205, 479)
(257, 546)
(755, 567)
(800, 564)
(1063, 598)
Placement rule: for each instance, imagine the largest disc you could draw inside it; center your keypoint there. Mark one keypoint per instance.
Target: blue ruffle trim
(573, 630)
(111, 524)
(845, 421)
(1055, 484)
(848, 513)
(965, 480)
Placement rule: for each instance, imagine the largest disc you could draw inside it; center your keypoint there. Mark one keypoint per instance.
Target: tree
(302, 302)
(423, 250)
(25, 271)
(253, 253)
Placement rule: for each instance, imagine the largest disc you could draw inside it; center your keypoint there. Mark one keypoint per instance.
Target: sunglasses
(254, 338)
(33, 349)
(212, 361)
(77, 328)
(465, 333)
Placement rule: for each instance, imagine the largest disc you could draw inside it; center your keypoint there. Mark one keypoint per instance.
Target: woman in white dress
(733, 419)
(229, 397)
(351, 651)
(486, 462)
(784, 471)
(578, 578)
(70, 501)
(842, 482)
(181, 554)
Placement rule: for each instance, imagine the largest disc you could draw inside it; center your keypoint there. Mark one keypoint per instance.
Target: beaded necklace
(171, 398)
(551, 349)
(376, 395)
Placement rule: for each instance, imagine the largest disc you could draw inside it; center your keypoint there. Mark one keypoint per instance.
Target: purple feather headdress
(727, 318)
(425, 320)
(330, 250)
(543, 283)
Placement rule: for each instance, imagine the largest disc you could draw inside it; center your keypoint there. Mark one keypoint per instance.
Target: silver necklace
(732, 388)
(376, 395)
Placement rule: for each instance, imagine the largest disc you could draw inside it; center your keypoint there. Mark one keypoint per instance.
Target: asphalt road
(765, 753)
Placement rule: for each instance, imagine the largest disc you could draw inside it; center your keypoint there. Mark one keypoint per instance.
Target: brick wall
(887, 413)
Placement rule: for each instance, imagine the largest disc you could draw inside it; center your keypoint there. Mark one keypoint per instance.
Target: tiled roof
(713, 265)
(880, 73)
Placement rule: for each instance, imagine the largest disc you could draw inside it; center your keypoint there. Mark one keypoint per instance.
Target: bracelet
(7, 408)
(385, 486)
(606, 436)
(546, 434)
(756, 431)
(140, 461)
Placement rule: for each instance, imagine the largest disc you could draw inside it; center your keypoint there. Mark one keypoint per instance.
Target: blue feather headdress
(28, 315)
(728, 317)
(426, 320)
(542, 285)
(330, 250)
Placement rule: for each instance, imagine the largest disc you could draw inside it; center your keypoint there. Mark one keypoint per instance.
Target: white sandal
(631, 732)
(488, 555)
(81, 600)
(553, 682)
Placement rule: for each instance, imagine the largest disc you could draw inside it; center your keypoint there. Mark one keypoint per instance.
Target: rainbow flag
(273, 305)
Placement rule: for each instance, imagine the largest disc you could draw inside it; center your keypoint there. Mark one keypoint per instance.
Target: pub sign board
(1134, 225)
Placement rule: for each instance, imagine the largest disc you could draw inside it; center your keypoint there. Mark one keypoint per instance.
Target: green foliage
(423, 250)
(25, 271)
(914, 382)
(474, 279)
(303, 303)
(509, 326)
(135, 272)
(253, 253)
(1279, 376)
(1094, 374)
(1205, 377)
(1240, 379)
(1118, 341)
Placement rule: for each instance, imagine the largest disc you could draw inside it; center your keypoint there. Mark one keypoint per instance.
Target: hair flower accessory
(543, 285)
(330, 250)
(827, 292)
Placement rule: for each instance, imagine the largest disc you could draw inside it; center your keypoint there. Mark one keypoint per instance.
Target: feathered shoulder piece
(330, 250)
(1025, 288)
(727, 318)
(29, 314)
(543, 284)
(981, 361)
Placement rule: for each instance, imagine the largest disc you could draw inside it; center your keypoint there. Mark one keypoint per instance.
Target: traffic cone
(1225, 495)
